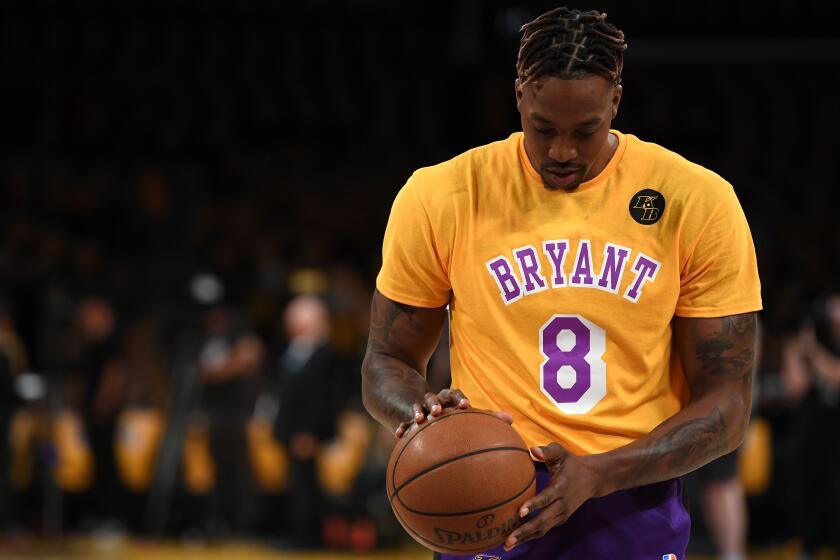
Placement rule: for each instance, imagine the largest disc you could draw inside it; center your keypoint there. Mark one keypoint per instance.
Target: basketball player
(601, 291)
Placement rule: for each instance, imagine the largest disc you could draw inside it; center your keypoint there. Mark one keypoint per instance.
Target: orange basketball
(456, 482)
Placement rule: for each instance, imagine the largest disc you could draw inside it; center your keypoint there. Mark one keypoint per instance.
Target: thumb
(551, 453)
(538, 452)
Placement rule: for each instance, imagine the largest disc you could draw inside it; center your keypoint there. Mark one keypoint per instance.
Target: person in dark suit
(311, 395)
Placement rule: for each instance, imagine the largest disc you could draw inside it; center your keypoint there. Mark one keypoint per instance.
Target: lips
(563, 177)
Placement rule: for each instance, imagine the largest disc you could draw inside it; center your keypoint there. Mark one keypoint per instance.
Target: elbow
(737, 438)
(740, 423)
(368, 399)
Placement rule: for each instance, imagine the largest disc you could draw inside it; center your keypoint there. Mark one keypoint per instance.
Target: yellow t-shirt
(561, 303)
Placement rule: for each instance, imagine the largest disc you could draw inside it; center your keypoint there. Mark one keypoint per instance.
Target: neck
(604, 157)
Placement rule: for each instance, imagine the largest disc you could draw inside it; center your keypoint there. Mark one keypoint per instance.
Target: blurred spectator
(812, 376)
(96, 390)
(230, 356)
(310, 385)
(141, 422)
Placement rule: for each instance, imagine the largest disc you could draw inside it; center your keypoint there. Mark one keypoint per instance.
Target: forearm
(389, 389)
(718, 358)
(402, 338)
(709, 427)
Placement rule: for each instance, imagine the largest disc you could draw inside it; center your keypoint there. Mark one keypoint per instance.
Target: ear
(517, 86)
(617, 90)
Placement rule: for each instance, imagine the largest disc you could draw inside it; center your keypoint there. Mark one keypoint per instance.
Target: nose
(562, 150)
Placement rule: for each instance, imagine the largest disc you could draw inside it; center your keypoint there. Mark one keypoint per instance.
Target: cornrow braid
(570, 44)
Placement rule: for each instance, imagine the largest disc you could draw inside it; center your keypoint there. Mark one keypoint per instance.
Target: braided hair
(570, 44)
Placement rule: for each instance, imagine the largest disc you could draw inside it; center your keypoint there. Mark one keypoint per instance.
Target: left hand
(573, 482)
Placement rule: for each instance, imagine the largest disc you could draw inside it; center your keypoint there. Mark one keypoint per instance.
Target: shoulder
(673, 172)
(455, 177)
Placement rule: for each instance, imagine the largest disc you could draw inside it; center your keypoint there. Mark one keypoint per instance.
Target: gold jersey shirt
(561, 303)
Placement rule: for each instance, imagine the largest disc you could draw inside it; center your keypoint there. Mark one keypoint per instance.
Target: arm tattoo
(681, 447)
(727, 350)
(400, 342)
(382, 323)
(694, 439)
(718, 356)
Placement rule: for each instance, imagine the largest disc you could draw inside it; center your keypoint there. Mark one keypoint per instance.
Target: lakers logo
(647, 206)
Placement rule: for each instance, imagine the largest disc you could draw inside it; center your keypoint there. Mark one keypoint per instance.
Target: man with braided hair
(601, 293)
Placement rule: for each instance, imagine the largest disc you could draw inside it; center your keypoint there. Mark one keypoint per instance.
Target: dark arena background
(191, 193)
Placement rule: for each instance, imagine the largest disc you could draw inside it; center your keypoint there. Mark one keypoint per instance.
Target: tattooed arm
(401, 341)
(718, 357)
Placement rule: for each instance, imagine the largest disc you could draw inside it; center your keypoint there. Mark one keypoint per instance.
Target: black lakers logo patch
(647, 206)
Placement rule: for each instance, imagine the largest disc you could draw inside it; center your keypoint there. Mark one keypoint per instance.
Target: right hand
(434, 405)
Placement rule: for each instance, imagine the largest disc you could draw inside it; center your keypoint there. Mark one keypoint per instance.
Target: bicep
(718, 353)
(404, 332)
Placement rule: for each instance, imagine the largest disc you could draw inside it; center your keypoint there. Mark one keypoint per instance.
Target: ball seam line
(427, 470)
(470, 512)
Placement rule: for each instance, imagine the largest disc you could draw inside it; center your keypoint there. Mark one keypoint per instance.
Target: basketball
(456, 482)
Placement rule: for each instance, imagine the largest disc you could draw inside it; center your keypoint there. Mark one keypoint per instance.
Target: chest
(577, 253)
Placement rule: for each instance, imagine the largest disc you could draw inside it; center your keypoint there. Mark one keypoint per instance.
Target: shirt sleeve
(415, 252)
(720, 274)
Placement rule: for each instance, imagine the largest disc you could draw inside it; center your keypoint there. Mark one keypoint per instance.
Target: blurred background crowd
(192, 201)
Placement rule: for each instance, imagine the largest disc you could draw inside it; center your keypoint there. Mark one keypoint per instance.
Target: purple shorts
(648, 522)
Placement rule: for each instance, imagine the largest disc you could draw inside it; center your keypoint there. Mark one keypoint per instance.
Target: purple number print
(573, 374)
(557, 358)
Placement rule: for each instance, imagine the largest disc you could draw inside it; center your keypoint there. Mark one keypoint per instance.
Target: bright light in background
(30, 386)
(206, 288)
